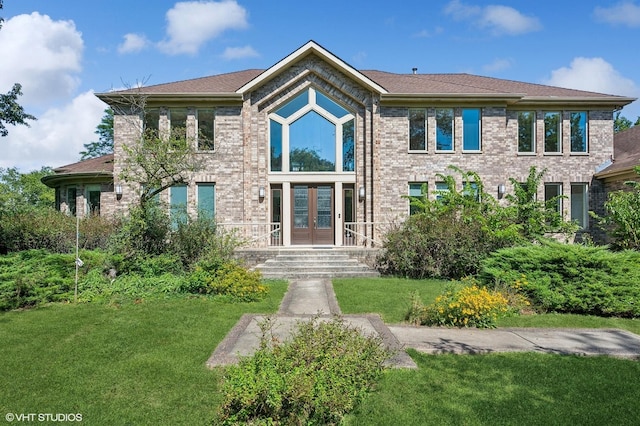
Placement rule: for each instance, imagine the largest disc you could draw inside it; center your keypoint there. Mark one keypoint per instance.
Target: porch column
(338, 209)
(286, 213)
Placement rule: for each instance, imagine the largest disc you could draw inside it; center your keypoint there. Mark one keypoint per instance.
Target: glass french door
(312, 214)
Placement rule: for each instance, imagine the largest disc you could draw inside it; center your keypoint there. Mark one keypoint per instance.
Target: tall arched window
(312, 133)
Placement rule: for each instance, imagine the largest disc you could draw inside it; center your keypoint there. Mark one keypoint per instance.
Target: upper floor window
(578, 132)
(178, 122)
(312, 133)
(444, 129)
(151, 122)
(205, 119)
(471, 129)
(552, 132)
(526, 131)
(417, 130)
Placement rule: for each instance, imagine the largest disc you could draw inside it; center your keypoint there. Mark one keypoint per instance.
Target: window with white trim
(471, 129)
(444, 129)
(312, 133)
(580, 204)
(526, 132)
(578, 132)
(552, 132)
(418, 190)
(553, 193)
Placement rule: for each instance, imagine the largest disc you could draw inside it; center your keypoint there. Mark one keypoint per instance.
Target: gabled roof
(626, 153)
(93, 168)
(390, 86)
(310, 48)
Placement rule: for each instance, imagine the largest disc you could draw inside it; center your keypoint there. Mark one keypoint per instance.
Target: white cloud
(594, 75)
(41, 54)
(56, 138)
(231, 53)
(191, 24)
(427, 34)
(133, 43)
(499, 64)
(497, 18)
(625, 12)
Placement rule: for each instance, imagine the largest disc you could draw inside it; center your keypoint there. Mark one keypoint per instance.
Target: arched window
(312, 133)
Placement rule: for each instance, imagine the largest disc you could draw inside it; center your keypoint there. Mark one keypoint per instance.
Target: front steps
(314, 263)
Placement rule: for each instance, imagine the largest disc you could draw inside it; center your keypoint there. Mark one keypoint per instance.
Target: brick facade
(384, 166)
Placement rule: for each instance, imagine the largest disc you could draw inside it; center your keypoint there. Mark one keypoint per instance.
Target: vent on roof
(415, 70)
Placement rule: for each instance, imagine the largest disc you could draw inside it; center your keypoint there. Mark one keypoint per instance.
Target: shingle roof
(103, 164)
(425, 84)
(626, 151)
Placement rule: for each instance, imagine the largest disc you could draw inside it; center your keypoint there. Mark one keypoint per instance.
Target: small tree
(623, 216)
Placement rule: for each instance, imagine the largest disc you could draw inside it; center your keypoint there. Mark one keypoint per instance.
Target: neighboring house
(315, 152)
(626, 156)
(85, 187)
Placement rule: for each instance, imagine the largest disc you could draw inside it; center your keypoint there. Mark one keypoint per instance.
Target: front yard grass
(144, 363)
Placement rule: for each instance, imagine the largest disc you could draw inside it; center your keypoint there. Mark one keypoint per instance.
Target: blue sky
(63, 52)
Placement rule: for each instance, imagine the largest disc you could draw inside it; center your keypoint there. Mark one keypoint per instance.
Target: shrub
(623, 216)
(33, 277)
(315, 378)
(443, 246)
(469, 306)
(229, 279)
(570, 278)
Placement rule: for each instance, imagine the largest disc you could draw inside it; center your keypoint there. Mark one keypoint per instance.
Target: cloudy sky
(62, 52)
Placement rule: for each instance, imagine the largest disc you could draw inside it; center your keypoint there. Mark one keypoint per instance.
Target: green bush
(570, 278)
(314, 379)
(33, 277)
(442, 246)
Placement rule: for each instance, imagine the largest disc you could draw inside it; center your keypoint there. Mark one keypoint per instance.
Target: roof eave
(510, 98)
(609, 101)
(52, 180)
(119, 97)
(305, 50)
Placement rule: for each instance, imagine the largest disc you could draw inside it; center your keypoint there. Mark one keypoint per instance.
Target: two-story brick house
(312, 151)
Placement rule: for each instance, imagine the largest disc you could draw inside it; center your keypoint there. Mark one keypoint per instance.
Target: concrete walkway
(306, 299)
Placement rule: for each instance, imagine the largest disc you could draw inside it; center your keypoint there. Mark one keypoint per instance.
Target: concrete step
(313, 263)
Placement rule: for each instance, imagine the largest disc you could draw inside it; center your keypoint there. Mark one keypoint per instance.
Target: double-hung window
(471, 135)
(553, 196)
(579, 132)
(444, 129)
(526, 132)
(417, 130)
(552, 132)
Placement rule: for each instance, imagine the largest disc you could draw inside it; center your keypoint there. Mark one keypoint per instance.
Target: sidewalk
(306, 299)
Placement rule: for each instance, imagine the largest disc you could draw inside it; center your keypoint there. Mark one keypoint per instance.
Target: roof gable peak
(311, 47)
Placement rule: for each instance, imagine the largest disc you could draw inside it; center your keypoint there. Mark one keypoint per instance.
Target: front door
(312, 214)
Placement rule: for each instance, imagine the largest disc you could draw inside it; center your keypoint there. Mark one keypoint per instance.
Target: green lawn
(144, 363)
(136, 364)
(390, 298)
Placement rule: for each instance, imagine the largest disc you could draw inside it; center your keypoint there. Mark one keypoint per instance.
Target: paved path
(306, 299)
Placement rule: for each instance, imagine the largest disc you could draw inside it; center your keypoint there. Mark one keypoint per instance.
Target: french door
(312, 208)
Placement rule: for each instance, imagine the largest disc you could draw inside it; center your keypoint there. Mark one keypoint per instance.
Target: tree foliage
(623, 216)
(104, 145)
(621, 123)
(19, 191)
